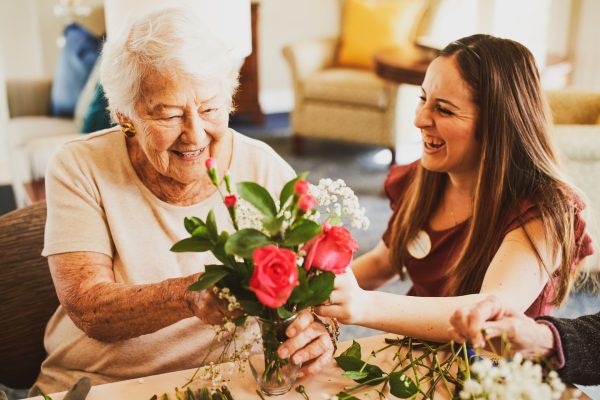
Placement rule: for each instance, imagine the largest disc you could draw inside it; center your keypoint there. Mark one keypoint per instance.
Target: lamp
(228, 20)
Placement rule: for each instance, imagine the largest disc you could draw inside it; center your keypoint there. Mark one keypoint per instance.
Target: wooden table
(242, 385)
(403, 65)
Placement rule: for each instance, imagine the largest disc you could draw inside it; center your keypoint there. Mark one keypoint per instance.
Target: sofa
(32, 134)
(577, 138)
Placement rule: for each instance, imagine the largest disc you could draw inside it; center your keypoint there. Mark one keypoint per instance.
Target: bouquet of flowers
(282, 257)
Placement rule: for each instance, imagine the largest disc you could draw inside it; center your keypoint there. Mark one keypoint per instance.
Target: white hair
(167, 42)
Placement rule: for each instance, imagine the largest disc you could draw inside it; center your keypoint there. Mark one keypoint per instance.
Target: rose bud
(332, 250)
(227, 179)
(306, 203)
(210, 163)
(211, 169)
(230, 200)
(301, 187)
(275, 275)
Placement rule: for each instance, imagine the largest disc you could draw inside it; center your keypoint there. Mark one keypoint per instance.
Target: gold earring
(128, 129)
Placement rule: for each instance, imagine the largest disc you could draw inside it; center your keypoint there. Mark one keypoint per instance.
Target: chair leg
(298, 144)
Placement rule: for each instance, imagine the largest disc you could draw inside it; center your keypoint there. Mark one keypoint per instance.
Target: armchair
(339, 103)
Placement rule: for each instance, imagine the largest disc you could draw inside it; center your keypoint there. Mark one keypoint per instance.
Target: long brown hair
(517, 162)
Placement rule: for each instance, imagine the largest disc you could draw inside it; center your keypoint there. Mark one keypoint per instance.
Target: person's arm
(533, 339)
(515, 276)
(110, 311)
(579, 339)
(374, 269)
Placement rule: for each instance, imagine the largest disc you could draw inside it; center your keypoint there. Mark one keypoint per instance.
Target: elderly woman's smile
(189, 155)
(181, 123)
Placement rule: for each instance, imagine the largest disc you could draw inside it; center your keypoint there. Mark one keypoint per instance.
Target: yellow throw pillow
(372, 25)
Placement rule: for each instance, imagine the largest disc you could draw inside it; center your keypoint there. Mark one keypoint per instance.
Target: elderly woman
(116, 204)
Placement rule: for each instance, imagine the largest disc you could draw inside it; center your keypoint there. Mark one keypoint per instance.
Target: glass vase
(274, 375)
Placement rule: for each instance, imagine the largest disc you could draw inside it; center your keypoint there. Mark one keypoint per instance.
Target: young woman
(484, 211)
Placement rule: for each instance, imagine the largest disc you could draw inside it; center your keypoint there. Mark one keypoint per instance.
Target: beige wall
(586, 51)
(20, 38)
(283, 22)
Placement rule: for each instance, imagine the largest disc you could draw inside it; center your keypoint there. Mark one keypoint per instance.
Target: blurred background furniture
(577, 136)
(346, 104)
(337, 94)
(33, 135)
(27, 295)
(246, 98)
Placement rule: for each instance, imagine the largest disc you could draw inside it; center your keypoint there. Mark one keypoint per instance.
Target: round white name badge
(420, 246)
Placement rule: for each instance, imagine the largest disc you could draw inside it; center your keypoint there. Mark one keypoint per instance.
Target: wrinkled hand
(207, 306)
(348, 301)
(491, 316)
(309, 343)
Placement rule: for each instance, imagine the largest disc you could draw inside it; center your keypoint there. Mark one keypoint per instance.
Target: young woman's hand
(492, 318)
(309, 343)
(348, 302)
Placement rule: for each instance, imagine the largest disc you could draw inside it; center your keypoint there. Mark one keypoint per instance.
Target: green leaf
(252, 307)
(201, 231)
(196, 244)
(245, 241)
(353, 351)
(356, 364)
(273, 225)
(283, 313)
(302, 291)
(203, 394)
(402, 386)
(321, 287)
(211, 223)
(355, 375)
(192, 223)
(212, 275)
(240, 321)
(346, 396)
(303, 231)
(258, 196)
(288, 188)
(189, 395)
(219, 249)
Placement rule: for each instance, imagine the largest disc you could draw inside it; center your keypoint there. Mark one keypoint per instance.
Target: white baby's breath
(248, 216)
(335, 200)
(511, 379)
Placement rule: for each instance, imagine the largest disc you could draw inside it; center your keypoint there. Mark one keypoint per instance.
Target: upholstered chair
(27, 295)
(337, 103)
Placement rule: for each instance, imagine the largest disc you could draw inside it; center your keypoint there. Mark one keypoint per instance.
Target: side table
(407, 68)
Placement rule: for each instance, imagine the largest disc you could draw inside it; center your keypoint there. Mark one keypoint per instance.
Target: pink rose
(275, 275)
(331, 251)
(301, 187)
(210, 163)
(306, 202)
(230, 200)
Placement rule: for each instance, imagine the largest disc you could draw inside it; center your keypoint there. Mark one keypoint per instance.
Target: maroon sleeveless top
(429, 275)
